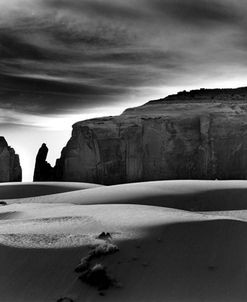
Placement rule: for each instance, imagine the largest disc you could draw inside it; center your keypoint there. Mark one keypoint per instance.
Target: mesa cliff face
(200, 134)
(10, 169)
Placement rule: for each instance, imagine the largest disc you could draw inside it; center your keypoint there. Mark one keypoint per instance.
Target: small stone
(104, 236)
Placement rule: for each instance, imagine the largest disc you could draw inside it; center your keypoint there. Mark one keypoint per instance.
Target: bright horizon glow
(54, 131)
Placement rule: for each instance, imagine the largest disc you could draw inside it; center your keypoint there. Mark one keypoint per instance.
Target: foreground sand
(168, 250)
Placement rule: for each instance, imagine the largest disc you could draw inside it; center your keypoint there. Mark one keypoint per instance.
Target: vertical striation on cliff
(200, 134)
(10, 169)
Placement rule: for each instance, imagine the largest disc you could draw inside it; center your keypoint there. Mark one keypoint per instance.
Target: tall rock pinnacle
(43, 170)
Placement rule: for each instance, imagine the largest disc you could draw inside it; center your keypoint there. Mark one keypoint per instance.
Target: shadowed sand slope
(178, 257)
(186, 195)
(24, 190)
(166, 253)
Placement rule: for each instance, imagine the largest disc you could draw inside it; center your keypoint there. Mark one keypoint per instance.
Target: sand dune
(186, 195)
(165, 253)
(31, 189)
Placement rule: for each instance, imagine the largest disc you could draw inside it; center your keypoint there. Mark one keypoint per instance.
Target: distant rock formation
(43, 170)
(10, 169)
(201, 134)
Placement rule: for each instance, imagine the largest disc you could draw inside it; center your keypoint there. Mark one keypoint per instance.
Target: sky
(62, 61)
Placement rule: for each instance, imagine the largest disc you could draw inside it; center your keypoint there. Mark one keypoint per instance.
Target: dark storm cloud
(44, 96)
(60, 56)
(110, 9)
(204, 13)
(15, 47)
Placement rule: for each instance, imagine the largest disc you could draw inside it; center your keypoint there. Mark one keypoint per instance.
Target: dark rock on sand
(97, 277)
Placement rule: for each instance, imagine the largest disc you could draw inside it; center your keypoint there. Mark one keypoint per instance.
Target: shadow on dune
(198, 199)
(185, 195)
(25, 190)
(39, 275)
(9, 215)
(210, 200)
(192, 261)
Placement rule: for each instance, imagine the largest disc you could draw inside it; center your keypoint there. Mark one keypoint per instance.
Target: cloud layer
(66, 56)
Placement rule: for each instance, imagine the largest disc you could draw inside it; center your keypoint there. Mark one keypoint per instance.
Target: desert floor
(169, 241)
